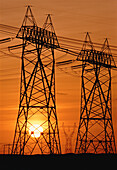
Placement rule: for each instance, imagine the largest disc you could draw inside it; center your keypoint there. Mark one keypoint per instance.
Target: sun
(35, 131)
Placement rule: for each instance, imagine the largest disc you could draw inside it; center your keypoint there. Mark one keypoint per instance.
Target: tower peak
(29, 19)
(48, 25)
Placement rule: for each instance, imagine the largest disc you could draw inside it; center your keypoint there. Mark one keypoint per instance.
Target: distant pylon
(36, 129)
(95, 131)
(69, 138)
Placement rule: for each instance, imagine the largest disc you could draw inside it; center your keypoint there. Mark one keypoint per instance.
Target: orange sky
(71, 18)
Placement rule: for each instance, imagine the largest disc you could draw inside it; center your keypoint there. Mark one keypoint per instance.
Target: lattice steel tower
(95, 131)
(37, 125)
(68, 138)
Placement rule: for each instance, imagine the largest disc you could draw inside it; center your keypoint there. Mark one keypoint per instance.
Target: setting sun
(35, 130)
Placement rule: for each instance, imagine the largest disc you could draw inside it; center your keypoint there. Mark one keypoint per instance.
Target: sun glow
(35, 131)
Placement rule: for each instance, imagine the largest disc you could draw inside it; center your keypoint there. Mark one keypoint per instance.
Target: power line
(61, 38)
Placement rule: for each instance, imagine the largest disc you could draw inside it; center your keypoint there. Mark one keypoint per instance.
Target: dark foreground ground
(64, 161)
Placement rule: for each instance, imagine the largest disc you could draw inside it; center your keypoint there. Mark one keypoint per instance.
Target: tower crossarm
(92, 56)
(97, 57)
(37, 35)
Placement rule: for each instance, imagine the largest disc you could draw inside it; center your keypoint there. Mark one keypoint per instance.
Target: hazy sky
(71, 18)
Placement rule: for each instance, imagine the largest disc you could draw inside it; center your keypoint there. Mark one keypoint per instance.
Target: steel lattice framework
(37, 107)
(95, 131)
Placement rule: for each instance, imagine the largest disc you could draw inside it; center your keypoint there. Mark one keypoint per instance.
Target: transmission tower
(69, 138)
(37, 125)
(95, 131)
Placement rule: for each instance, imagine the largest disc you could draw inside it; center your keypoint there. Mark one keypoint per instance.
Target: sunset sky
(71, 18)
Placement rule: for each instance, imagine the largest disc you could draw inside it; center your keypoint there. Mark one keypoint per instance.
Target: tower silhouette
(69, 137)
(95, 131)
(37, 125)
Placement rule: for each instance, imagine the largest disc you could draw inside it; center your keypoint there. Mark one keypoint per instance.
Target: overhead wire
(65, 43)
(8, 32)
(61, 38)
(82, 41)
(10, 55)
